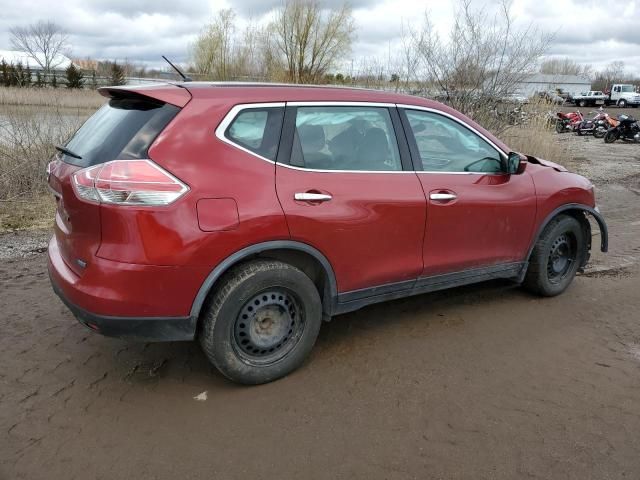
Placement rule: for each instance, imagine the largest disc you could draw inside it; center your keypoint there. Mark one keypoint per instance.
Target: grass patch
(34, 213)
(51, 97)
(539, 142)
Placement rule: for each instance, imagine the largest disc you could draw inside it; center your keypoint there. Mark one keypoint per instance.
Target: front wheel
(611, 136)
(556, 257)
(262, 322)
(622, 103)
(559, 126)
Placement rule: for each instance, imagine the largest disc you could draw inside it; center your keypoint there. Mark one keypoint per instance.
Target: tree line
(19, 75)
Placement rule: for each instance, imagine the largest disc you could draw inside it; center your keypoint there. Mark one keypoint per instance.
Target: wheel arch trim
(263, 247)
(604, 232)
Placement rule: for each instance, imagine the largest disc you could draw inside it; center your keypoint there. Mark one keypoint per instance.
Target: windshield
(626, 88)
(123, 128)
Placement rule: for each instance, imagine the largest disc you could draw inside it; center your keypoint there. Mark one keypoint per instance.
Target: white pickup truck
(622, 95)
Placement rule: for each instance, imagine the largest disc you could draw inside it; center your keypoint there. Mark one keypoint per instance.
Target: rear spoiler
(165, 92)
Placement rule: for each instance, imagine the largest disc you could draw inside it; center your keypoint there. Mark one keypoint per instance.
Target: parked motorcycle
(598, 123)
(604, 125)
(628, 129)
(567, 122)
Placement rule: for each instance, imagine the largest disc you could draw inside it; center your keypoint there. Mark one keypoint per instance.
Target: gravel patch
(23, 243)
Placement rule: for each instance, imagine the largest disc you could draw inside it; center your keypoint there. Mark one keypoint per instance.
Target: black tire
(599, 133)
(611, 136)
(556, 257)
(622, 103)
(559, 126)
(583, 103)
(262, 322)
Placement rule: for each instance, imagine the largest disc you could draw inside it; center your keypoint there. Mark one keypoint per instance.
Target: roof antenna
(184, 77)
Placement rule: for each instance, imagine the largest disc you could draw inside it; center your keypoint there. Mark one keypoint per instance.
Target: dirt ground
(481, 382)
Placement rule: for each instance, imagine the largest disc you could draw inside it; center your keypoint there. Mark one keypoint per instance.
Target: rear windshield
(123, 128)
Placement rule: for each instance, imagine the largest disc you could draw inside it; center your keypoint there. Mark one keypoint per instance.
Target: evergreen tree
(27, 76)
(4, 73)
(13, 76)
(75, 77)
(20, 76)
(117, 75)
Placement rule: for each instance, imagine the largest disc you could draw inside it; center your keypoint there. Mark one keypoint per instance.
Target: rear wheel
(599, 132)
(556, 257)
(583, 103)
(262, 322)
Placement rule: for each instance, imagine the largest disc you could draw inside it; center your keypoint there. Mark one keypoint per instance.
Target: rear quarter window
(257, 130)
(122, 129)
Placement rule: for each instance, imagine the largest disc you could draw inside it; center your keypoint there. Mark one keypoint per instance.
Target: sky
(593, 32)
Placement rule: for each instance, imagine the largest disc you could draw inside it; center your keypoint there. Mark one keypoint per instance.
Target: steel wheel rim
(268, 326)
(562, 257)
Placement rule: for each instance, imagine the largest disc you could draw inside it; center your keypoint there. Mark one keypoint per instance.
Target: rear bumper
(102, 290)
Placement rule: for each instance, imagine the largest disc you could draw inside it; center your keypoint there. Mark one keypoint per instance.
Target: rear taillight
(128, 182)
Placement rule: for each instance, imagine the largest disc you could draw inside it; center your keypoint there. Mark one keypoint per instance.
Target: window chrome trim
(338, 103)
(233, 114)
(236, 109)
(343, 171)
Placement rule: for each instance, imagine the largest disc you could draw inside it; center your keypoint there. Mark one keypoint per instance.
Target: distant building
(542, 82)
(12, 56)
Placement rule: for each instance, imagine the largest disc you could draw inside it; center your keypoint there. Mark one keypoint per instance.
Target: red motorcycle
(567, 122)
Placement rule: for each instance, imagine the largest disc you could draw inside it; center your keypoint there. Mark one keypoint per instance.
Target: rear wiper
(66, 151)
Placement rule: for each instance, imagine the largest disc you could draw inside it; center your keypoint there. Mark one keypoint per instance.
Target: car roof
(290, 92)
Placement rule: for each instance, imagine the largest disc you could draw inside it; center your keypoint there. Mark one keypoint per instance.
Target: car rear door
(477, 216)
(347, 188)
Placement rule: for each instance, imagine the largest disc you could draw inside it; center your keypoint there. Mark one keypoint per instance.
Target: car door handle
(312, 197)
(443, 196)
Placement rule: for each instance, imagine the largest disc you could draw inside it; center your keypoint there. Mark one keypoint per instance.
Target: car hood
(546, 163)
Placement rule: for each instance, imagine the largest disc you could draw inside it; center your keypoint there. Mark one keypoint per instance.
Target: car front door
(347, 188)
(477, 216)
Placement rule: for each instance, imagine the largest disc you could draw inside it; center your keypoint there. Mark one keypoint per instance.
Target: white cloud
(142, 30)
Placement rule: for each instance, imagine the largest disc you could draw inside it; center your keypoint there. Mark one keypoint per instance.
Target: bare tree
(565, 66)
(212, 51)
(310, 39)
(481, 63)
(44, 42)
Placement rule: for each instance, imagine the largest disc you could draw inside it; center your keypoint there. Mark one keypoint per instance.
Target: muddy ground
(475, 383)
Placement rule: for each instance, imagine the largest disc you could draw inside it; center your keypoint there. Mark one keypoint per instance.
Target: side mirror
(514, 164)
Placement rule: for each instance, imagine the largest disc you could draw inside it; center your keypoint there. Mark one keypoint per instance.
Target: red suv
(244, 215)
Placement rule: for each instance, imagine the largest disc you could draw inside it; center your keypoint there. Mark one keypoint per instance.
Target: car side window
(257, 130)
(345, 138)
(447, 146)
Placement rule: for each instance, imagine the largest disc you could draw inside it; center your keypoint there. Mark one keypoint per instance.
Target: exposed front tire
(622, 103)
(559, 126)
(556, 257)
(262, 322)
(611, 136)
